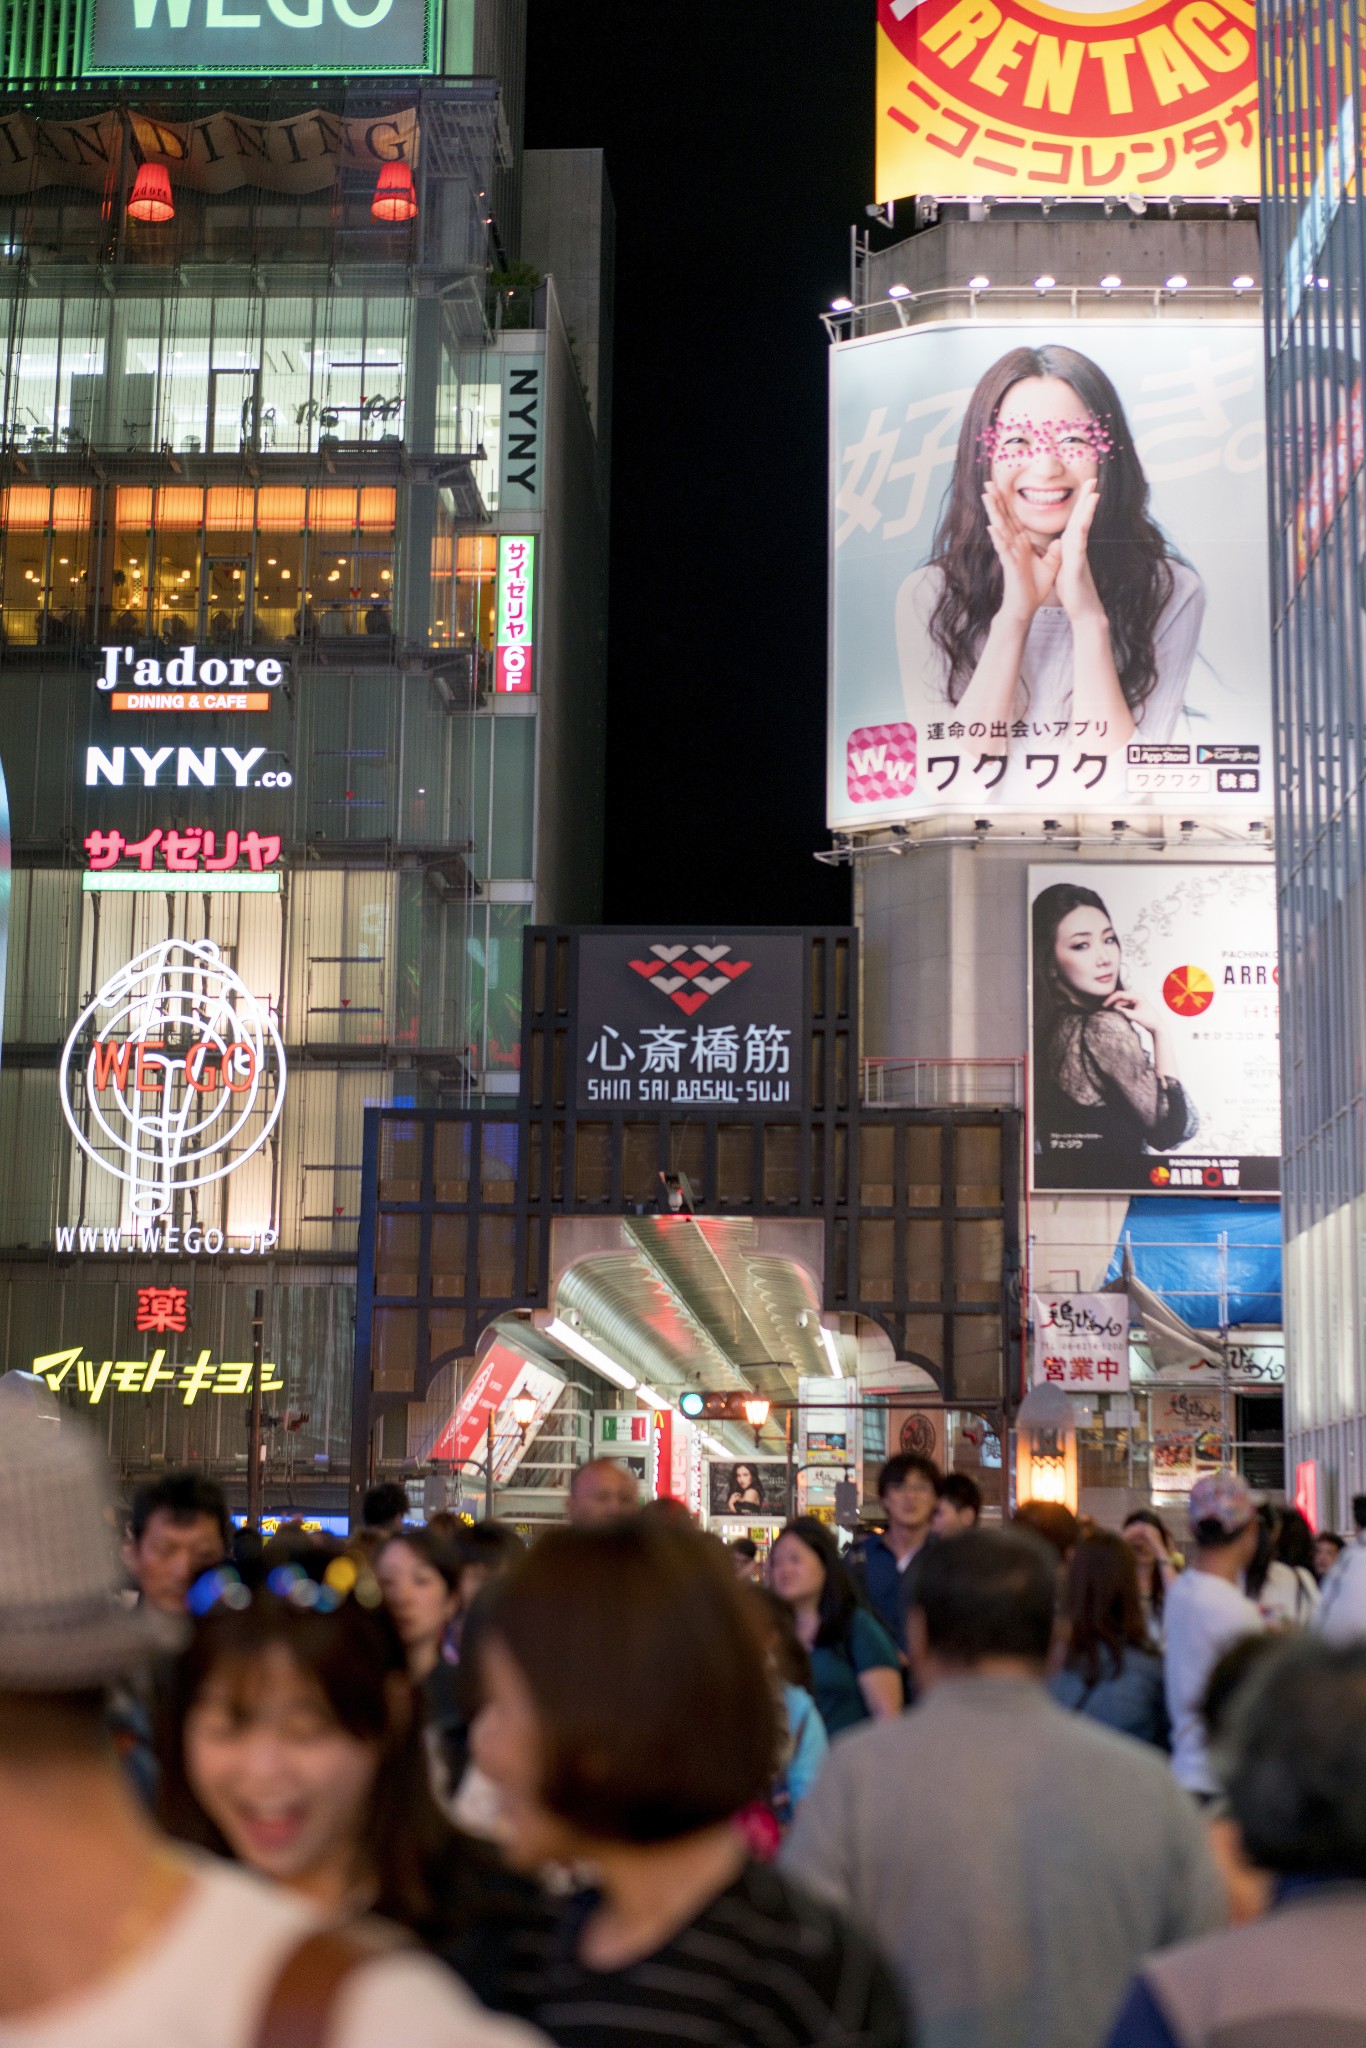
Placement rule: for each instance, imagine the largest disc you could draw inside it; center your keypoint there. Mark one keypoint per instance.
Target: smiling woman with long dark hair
(1100, 1100)
(1051, 594)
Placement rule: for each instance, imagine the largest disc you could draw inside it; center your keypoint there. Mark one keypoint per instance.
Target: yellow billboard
(1013, 98)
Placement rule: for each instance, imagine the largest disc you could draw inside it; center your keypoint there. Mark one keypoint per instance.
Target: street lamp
(1046, 1448)
(524, 1408)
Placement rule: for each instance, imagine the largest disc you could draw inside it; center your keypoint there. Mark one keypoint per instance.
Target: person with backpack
(855, 1665)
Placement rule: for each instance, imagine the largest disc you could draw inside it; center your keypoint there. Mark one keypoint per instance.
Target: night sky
(739, 147)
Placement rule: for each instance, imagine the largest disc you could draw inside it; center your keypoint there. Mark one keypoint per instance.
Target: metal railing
(942, 1084)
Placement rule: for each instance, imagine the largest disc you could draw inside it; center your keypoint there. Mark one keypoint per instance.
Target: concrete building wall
(569, 233)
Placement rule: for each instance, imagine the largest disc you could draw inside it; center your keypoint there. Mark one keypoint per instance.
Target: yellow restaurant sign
(146, 1375)
(1015, 99)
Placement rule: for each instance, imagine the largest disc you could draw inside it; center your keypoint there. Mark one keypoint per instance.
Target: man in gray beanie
(110, 1936)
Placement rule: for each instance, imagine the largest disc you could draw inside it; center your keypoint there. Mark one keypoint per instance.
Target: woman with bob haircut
(1111, 1672)
(855, 1665)
(291, 1741)
(627, 1718)
(1295, 1776)
(1101, 1103)
(1050, 594)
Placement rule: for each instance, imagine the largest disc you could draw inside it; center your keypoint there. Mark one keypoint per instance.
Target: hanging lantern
(1046, 1449)
(150, 199)
(395, 195)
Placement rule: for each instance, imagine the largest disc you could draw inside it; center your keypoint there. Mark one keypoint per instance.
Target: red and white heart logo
(690, 975)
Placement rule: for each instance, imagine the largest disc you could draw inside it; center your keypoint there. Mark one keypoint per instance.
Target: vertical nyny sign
(519, 467)
(516, 636)
(666, 1021)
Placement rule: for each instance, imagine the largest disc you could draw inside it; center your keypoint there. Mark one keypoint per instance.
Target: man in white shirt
(110, 1936)
(1341, 1612)
(1205, 1613)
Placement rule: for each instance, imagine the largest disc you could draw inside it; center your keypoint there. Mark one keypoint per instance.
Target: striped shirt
(762, 1966)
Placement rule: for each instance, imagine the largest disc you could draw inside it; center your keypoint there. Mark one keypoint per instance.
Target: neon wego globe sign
(179, 1072)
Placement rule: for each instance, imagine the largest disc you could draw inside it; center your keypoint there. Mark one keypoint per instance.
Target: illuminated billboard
(1048, 570)
(979, 100)
(173, 1075)
(1154, 1028)
(516, 624)
(209, 37)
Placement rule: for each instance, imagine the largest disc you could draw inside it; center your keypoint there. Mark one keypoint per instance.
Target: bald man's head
(602, 1491)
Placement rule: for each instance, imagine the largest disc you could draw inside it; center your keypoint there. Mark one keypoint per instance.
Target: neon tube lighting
(589, 1353)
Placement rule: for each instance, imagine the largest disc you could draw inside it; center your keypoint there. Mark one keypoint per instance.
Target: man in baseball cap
(109, 1935)
(1206, 1611)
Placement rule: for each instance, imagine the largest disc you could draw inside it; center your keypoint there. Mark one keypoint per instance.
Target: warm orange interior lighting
(229, 509)
(70, 508)
(180, 507)
(280, 508)
(476, 554)
(134, 507)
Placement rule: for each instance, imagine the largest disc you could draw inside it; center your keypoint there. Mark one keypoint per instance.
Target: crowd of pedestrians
(961, 1786)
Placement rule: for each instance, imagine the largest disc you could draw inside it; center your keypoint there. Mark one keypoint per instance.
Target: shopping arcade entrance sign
(667, 1021)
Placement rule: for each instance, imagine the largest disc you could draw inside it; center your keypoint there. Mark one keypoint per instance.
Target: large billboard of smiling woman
(1049, 571)
(1154, 1028)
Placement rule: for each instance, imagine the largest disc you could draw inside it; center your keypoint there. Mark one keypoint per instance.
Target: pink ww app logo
(881, 762)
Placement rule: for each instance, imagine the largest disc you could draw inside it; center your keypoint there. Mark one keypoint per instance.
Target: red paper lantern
(151, 199)
(395, 197)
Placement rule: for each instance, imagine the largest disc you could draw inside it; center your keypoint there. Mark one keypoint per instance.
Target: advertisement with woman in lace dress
(1154, 1028)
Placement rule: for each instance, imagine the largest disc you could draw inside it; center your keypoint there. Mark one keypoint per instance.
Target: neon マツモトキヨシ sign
(173, 1075)
(70, 1369)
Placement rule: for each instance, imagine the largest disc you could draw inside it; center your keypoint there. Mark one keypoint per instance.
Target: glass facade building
(1315, 257)
(275, 476)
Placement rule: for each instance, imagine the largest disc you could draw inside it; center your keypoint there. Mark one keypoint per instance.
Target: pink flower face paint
(1014, 442)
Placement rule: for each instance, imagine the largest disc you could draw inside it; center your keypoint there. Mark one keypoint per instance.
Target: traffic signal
(731, 1407)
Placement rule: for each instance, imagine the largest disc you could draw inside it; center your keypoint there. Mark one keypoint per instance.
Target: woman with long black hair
(855, 1665)
(1101, 1100)
(1051, 595)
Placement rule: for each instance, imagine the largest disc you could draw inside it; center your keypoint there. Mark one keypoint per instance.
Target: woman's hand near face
(1138, 1009)
(1141, 1010)
(1076, 585)
(1028, 576)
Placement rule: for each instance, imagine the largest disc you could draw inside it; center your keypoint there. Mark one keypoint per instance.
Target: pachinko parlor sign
(173, 1077)
(185, 682)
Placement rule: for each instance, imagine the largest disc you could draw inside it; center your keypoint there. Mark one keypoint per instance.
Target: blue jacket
(1130, 1700)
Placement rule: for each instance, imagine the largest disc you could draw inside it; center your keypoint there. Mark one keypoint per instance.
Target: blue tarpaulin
(1175, 1244)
